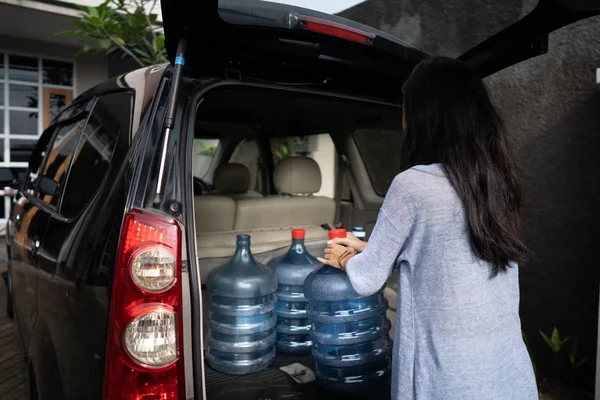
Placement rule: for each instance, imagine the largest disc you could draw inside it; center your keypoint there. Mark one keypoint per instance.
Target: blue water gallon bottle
(293, 326)
(242, 317)
(360, 233)
(352, 348)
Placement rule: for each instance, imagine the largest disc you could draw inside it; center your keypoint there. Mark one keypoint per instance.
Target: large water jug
(242, 317)
(293, 326)
(352, 348)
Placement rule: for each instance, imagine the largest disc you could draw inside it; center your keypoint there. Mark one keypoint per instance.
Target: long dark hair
(451, 120)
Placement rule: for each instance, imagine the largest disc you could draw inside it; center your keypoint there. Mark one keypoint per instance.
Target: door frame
(46, 92)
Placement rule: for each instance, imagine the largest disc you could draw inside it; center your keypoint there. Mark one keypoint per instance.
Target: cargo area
(241, 135)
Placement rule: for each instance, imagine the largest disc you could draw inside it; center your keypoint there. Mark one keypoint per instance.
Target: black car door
(26, 227)
(73, 288)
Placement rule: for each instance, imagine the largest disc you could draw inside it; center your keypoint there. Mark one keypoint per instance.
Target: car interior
(255, 172)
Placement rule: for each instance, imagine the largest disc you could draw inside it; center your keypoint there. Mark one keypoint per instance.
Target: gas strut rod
(170, 114)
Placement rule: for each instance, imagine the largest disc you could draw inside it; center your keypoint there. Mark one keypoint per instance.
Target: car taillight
(144, 349)
(335, 29)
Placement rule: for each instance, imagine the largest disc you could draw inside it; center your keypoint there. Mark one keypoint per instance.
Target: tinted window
(110, 118)
(248, 153)
(380, 151)
(60, 155)
(35, 162)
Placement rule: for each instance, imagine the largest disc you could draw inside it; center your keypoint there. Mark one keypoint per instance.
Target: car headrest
(232, 178)
(297, 176)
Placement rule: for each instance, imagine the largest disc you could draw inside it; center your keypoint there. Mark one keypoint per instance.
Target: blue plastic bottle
(293, 326)
(352, 348)
(359, 232)
(242, 318)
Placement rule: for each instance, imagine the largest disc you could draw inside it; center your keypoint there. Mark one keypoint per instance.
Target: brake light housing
(144, 349)
(335, 29)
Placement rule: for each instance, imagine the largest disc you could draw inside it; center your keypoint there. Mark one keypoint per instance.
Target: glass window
(380, 151)
(57, 73)
(1, 93)
(22, 96)
(21, 149)
(1, 66)
(60, 156)
(248, 154)
(24, 69)
(23, 122)
(35, 161)
(205, 151)
(110, 118)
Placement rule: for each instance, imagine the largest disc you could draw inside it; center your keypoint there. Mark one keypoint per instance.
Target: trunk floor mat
(273, 384)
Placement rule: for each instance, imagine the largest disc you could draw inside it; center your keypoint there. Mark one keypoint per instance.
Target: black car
(138, 188)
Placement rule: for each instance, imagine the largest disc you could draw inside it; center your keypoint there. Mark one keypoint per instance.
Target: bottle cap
(298, 233)
(337, 234)
(358, 229)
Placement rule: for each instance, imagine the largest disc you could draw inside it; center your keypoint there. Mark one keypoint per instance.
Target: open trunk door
(255, 40)
(528, 37)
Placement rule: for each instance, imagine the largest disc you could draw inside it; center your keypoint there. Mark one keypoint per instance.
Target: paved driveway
(11, 374)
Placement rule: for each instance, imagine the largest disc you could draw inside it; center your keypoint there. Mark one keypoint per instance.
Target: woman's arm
(369, 270)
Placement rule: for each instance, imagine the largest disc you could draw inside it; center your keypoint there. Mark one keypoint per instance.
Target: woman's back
(458, 329)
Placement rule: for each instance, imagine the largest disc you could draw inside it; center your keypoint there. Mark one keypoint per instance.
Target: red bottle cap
(337, 234)
(298, 233)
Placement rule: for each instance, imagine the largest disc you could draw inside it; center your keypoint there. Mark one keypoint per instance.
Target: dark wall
(551, 106)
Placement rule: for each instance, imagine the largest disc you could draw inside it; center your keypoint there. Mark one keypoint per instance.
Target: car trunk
(255, 43)
(230, 113)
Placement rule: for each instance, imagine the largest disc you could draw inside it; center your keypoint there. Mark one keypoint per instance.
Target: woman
(450, 223)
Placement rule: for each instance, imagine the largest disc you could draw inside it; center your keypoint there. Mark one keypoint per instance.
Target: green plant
(555, 343)
(121, 28)
(575, 362)
(207, 150)
(282, 150)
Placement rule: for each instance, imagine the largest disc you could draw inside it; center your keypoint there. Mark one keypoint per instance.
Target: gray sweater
(458, 331)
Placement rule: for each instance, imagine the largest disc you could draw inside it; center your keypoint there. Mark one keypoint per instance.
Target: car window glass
(248, 154)
(36, 161)
(110, 118)
(380, 152)
(59, 157)
(205, 151)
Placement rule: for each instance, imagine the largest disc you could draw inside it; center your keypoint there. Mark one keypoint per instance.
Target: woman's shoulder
(419, 177)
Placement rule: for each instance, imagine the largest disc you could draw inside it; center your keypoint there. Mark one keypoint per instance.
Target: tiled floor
(11, 373)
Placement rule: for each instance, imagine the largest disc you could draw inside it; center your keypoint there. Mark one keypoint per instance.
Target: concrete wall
(89, 69)
(552, 109)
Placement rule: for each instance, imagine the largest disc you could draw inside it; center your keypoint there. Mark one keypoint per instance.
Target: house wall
(551, 105)
(90, 70)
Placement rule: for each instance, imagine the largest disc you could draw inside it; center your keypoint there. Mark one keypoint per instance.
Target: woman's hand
(337, 256)
(350, 241)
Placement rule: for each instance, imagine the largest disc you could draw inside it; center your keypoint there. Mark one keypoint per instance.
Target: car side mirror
(48, 186)
(8, 178)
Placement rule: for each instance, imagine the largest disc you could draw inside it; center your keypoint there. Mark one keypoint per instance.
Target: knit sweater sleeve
(369, 270)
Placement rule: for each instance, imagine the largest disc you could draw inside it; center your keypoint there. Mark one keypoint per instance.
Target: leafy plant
(207, 150)
(575, 362)
(121, 28)
(554, 342)
(282, 150)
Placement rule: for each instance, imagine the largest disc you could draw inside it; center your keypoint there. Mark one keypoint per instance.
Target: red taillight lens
(144, 344)
(334, 29)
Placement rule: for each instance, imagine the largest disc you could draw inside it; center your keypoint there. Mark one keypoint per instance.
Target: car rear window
(380, 151)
